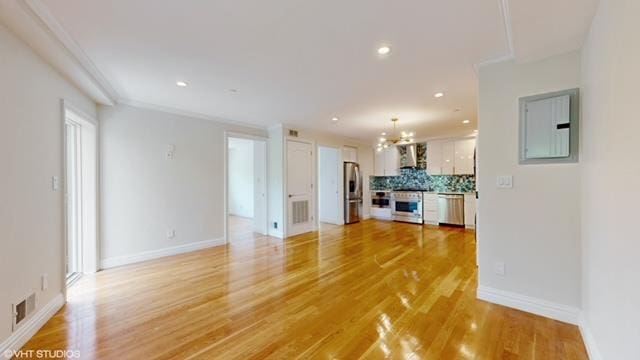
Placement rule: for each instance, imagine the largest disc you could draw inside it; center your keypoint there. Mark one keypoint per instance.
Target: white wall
(144, 194)
(533, 228)
(329, 183)
(31, 143)
(241, 177)
(610, 176)
(276, 181)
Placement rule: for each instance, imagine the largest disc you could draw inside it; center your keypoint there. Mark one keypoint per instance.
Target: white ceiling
(304, 62)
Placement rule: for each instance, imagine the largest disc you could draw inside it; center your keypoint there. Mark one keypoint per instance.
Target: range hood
(410, 161)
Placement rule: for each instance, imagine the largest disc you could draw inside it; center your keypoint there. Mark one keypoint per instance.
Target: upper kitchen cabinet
(434, 157)
(451, 157)
(349, 153)
(387, 162)
(464, 159)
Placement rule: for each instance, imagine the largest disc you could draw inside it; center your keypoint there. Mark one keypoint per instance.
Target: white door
(260, 187)
(328, 185)
(299, 187)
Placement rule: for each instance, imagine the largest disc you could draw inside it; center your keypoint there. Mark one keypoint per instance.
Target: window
(549, 128)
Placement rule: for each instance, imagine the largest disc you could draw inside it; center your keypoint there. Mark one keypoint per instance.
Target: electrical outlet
(171, 233)
(44, 282)
(275, 225)
(171, 148)
(498, 268)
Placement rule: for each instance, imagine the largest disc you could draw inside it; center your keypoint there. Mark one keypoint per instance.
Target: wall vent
(22, 310)
(293, 133)
(300, 211)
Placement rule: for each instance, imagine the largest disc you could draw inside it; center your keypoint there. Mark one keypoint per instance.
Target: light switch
(55, 183)
(170, 151)
(504, 182)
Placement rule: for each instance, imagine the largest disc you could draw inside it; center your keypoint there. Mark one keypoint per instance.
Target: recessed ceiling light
(181, 83)
(384, 134)
(438, 95)
(334, 119)
(384, 50)
(465, 121)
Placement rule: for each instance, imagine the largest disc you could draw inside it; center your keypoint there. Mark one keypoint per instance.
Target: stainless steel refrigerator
(352, 193)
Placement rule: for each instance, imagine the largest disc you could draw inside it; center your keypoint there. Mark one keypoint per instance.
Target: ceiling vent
(22, 310)
(293, 133)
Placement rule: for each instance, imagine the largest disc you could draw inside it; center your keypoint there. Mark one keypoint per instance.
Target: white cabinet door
(349, 153)
(463, 164)
(434, 157)
(379, 162)
(391, 161)
(470, 211)
(380, 213)
(430, 209)
(448, 157)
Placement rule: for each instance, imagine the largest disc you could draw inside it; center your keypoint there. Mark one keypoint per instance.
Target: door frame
(238, 135)
(285, 193)
(67, 106)
(340, 187)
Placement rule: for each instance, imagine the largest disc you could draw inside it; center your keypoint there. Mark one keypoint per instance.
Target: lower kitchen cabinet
(381, 213)
(430, 209)
(470, 211)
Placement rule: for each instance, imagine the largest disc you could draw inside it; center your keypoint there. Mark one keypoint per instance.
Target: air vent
(293, 133)
(300, 212)
(22, 310)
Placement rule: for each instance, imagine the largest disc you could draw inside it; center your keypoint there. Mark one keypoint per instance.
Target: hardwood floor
(370, 290)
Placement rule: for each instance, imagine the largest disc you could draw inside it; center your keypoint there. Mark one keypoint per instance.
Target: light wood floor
(370, 290)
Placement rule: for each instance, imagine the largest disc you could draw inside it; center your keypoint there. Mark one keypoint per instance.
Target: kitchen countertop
(433, 192)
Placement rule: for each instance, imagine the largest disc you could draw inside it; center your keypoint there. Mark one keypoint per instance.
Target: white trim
(588, 339)
(47, 22)
(187, 113)
(529, 304)
(155, 254)
(31, 326)
(508, 33)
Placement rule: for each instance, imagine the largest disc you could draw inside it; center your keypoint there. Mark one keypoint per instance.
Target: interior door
(299, 187)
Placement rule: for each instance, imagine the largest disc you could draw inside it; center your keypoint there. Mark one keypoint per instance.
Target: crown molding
(508, 33)
(48, 23)
(187, 113)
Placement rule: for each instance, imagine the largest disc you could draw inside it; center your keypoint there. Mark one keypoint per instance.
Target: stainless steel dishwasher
(451, 209)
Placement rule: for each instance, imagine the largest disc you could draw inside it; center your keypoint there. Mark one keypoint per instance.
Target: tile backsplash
(419, 179)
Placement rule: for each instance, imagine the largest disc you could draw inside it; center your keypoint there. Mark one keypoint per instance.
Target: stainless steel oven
(380, 199)
(406, 206)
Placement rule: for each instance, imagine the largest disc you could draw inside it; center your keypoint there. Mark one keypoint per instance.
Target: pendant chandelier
(394, 138)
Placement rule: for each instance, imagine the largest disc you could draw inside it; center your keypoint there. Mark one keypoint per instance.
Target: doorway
(81, 200)
(330, 205)
(246, 188)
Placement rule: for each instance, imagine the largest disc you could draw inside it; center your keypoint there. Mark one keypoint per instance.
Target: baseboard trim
(155, 254)
(549, 309)
(588, 339)
(16, 340)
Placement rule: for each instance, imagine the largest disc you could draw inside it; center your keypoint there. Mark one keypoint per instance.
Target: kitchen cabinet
(434, 157)
(387, 162)
(350, 153)
(470, 211)
(381, 213)
(430, 208)
(451, 157)
(464, 151)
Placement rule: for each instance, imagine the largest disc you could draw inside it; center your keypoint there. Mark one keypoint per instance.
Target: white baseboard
(589, 340)
(529, 304)
(154, 254)
(31, 326)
